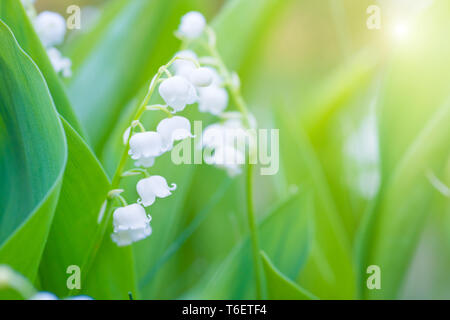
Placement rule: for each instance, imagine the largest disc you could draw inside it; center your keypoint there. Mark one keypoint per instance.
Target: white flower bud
(177, 92)
(59, 62)
(51, 28)
(131, 224)
(144, 145)
(185, 65)
(152, 187)
(192, 25)
(213, 99)
(174, 129)
(201, 77)
(231, 133)
(227, 158)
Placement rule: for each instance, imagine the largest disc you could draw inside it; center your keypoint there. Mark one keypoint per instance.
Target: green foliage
(56, 161)
(279, 287)
(33, 158)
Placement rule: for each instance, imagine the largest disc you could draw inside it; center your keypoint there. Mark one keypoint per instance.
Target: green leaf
(401, 208)
(256, 16)
(329, 271)
(279, 287)
(13, 14)
(75, 228)
(285, 234)
(414, 132)
(32, 158)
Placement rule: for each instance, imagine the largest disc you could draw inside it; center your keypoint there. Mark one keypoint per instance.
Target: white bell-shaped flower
(145, 145)
(192, 25)
(177, 92)
(152, 187)
(51, 28)
(201, 77)
(185, 65)
(174, 129)
(214, 136)
(43, 295)
(231, 133)
(59, 62)
(145, 162)
(131, 224)
(212, 99)
(228, 158)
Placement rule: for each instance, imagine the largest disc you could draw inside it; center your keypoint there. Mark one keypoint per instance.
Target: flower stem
(242, 106)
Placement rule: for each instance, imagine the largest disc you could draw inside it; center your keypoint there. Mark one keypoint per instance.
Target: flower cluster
(51, 29)
(185, 80)
(212, 81)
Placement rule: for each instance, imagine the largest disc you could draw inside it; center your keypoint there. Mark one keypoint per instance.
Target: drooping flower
(201, 77)
(145, 162)
(192, 25)
(174, 129)
(152, 187)
(51, 28)
(59, 62)
(177, 92)
(145, 144)
(185, 65)
(212, 99)
(131, 224)
(43, 295)
(228, 158)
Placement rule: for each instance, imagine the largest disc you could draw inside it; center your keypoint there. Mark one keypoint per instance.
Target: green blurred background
(363, 129)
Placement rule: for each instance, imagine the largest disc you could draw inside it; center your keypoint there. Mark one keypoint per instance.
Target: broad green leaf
(329, 271)
(75, 229)
(13, 14)
(279, 287)
(285, 234)
(33, 157)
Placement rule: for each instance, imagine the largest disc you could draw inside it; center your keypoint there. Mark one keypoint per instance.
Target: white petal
(145, 145)
(213, 136)
(145, 162)
(213, 99)
(192, 25)
(174, 129)
(131, 224)
(130, 217)
(227, 158)
(50, 27)
(177, 92)
(44, 296)
(151, 187)
(186, 61)
(82, 297)
(201, 77)
(127, 237)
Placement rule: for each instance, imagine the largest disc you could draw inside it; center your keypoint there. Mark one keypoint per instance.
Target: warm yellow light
(401, 30)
